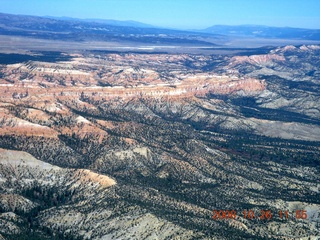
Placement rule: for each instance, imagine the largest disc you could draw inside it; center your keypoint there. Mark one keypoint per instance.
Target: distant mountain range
(265, 32)
(240, 30)
(73, 29)
(68, 29)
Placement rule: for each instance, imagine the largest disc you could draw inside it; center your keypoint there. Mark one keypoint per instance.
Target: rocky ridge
(62, 200)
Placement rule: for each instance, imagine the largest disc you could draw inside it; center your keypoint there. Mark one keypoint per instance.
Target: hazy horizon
(178, 14)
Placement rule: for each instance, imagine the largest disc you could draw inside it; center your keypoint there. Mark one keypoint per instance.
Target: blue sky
(186, 14)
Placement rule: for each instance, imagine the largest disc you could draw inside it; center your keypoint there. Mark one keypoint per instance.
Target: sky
(183, 14)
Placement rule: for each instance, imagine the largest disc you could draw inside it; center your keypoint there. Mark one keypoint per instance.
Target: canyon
(100, 145)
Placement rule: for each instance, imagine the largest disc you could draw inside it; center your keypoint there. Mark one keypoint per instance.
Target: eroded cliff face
(147, 145)
(35, 93)
(266, 59)
(125, 76)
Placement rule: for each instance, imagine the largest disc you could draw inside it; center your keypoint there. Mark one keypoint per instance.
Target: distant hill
(265, 32)
(128, 23)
